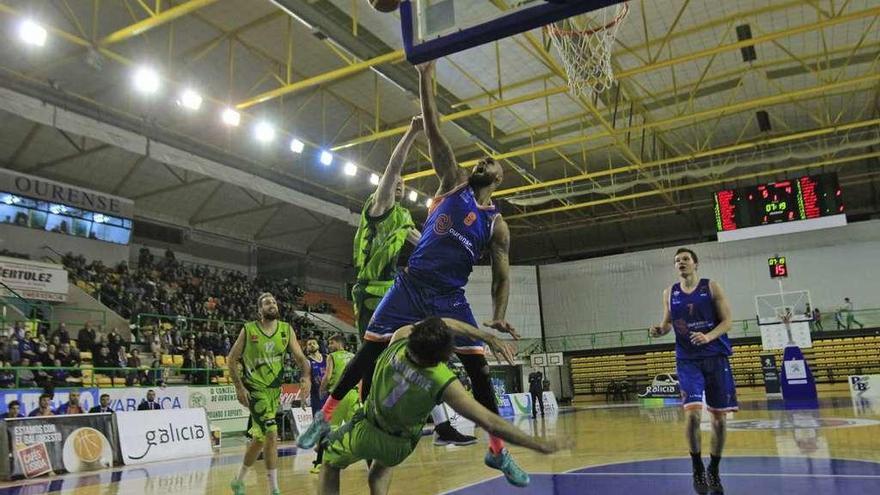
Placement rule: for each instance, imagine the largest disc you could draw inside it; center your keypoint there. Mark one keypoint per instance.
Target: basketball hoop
(584, 43)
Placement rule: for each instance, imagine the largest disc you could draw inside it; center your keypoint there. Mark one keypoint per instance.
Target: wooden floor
(774, 442)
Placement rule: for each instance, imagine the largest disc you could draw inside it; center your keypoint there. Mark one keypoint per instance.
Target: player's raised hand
(503, 326)
(426, 68)
(417, 124)
(500, 349)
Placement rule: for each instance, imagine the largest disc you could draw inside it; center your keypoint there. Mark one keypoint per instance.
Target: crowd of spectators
(198, 313)
(168, 287)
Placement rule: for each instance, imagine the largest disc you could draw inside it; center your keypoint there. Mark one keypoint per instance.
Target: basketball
(88, 444)
(385, 5)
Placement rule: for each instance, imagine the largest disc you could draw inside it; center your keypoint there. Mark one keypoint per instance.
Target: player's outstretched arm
(462, 402)
(305, 382)
(383, 199)
(442, 157)
(500, 248)
(666, 325)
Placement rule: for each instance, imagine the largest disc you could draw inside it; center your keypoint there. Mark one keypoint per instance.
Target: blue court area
(740, 475)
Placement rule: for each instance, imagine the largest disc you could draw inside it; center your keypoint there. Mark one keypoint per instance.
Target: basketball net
(584, 43)
(785, 315)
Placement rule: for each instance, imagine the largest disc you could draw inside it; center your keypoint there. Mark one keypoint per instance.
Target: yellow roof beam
(155, 21)
(692, 117)
(395, 56)
(628, 73)
(693, 156)
(839, 162)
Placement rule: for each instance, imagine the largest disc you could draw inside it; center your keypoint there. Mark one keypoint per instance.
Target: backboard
(435, 28)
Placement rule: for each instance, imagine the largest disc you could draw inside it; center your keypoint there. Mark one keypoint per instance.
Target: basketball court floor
(623, 449)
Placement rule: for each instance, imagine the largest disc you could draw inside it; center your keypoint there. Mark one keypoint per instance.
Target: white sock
(438, 414)
(243, 472)
(273, 479)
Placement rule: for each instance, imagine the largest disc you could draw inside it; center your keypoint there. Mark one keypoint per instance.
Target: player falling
(410, 379)
(698, 311)
(259, 349)
(462, 223)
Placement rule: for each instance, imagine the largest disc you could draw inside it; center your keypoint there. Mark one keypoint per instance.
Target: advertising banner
(128, 399)
(771, 374)
(865, 393)
(33, 279)
(56, 444)
(222, 407)
(30, 398)
(289, 395)
(145, 436)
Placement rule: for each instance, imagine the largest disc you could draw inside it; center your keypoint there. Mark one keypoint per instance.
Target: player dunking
(461, 225)
(260, 347)
(411, 377)
(698, 311)
(384, 228)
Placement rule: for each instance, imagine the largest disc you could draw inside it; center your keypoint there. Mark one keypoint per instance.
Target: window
(53, 217)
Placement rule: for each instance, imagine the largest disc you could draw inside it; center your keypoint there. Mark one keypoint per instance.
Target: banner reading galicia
(145, 436)
(222, 407)
(33, 279)
(55, 444)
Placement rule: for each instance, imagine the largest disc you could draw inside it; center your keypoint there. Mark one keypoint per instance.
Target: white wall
(522, 308)
(31, 241)
(625, 291)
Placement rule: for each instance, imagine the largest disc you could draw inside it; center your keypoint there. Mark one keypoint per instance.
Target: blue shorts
(712, 375)
(411, 300)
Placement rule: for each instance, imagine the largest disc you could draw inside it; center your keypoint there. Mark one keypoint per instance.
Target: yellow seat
(177, 359)
(167, 360)
(220, 360)
(85, 356)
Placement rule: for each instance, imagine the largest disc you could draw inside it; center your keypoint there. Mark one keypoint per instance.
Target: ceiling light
(413, 196)
(190, 99)
(350, 169)
(32, 33)
(374, 179)
(326, 157)
(146, 80)
(231, 117)
(264, 132)
(296, 145)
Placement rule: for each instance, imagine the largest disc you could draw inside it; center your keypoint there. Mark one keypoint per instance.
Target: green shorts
(366, 299)
(344, 412)
(263, 408)
(361, 440)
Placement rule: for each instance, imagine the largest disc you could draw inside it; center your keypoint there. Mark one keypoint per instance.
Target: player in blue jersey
(462, 225)
(697, 309)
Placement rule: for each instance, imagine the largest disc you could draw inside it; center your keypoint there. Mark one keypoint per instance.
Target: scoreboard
(804, 198)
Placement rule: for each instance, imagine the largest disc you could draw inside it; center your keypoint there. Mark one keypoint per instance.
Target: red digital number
(779, 270)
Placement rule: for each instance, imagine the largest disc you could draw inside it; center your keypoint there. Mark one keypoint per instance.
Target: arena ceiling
(631, 168)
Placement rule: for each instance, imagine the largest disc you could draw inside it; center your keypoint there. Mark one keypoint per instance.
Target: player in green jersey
(411, 377)
(260, 349)
(337, 360)
(384, 228)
